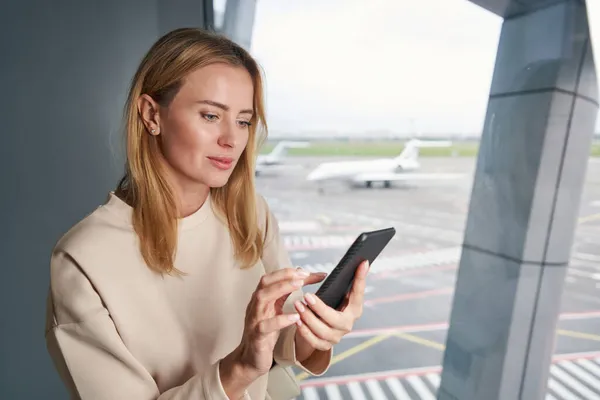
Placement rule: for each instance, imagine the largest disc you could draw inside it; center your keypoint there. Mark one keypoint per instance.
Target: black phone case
(367, 246)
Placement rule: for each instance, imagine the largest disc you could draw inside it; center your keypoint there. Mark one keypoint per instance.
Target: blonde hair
(144, 185)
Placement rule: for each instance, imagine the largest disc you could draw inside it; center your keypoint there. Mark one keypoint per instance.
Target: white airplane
(385, 170)
(277, 155)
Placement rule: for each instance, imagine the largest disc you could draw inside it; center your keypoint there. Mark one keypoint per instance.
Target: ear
(148, 110)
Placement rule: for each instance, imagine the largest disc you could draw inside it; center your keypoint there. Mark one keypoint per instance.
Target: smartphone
(367, 246)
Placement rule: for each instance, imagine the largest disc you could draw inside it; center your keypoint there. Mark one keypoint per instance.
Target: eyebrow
(223, 106)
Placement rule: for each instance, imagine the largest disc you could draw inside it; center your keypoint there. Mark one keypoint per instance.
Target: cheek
(186, 144)
(243, 140)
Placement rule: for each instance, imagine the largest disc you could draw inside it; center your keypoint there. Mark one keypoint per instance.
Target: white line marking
(590, 366)
(299, 226)
(434, 379)
(333, 392)
(573, 383)
(587, 257)
(397, 388)
(561, 390)
(581, 374)
(356, 392)
(420, 388)
(376, 391)
(310, 393)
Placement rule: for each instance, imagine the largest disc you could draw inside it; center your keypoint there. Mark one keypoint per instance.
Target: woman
(175, 287)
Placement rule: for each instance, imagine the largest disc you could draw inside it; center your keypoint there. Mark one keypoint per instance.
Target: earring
(153, 131)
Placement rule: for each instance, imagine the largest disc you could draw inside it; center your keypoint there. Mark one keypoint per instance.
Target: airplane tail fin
(411, 149)
(280, 150)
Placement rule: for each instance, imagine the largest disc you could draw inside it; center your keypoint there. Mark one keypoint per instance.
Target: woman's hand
(263, 322)
(321, 326)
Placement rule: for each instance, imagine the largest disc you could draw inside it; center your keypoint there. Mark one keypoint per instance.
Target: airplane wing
(381, 177)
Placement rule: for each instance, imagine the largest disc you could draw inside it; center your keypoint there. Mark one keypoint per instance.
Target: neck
(189, 195)
(190, 198)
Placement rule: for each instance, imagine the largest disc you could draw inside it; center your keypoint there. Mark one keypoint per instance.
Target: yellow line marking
(421, 341)
(589, 218)
(579, 335)
(350, 352)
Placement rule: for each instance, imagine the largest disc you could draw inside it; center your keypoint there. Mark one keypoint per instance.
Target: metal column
(524, 205)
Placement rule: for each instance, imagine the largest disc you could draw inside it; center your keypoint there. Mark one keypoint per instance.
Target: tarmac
(395, 350)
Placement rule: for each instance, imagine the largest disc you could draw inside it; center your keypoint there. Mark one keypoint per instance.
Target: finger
(357, 292)
(315, 278)
(277, 290)
(330, 316)
(281, 275)
(318, 327)
(276, 323)
(313, 340)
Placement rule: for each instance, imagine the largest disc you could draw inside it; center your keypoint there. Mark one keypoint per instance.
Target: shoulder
(72, 296)
(262, 207)
(266, 218)
(95, 232)
(95, 258)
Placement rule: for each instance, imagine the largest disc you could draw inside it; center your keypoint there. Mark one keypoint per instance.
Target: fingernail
(299, 322)
(310, 298)
(294, 317)
(300, 273)
(298, 283)
(299, 306)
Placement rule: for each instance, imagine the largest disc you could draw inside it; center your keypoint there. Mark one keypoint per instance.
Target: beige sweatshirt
(117, 330)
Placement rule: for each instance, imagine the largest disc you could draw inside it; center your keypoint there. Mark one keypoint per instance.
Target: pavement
(395, 350)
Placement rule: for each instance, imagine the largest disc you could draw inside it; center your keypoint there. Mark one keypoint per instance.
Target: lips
(223, 163)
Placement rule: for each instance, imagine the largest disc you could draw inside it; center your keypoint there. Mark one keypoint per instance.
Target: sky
(406, 67)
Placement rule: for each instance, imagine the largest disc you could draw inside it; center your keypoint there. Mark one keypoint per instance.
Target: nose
(227, 136)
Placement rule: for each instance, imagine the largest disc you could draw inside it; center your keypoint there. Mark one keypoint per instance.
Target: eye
(210, 117)
(245, 124)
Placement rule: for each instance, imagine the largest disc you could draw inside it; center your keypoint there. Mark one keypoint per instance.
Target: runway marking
(422, 341)
(579, 315)
(299, 226)
(298, 242)
(399, 274)
(439, 326)
(350, 352)
(583, 274)
(588, 218)
(397, 329)
(587, 257)
(402, 262)
(566, 382)
(430, 372)
(579, 335)
(409, 296)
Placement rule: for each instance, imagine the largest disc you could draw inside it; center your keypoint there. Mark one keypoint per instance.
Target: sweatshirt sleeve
(276, 256)
(88, 352)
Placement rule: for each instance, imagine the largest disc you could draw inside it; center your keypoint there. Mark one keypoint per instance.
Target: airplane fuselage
(349, 169)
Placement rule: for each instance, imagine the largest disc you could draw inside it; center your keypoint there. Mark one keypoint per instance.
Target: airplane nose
(313, 175)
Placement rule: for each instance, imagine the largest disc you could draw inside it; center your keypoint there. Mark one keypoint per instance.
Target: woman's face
(204, 130)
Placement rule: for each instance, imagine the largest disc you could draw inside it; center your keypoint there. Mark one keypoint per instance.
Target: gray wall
(64, 71)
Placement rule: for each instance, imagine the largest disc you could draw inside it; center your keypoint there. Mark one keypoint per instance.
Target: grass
(386, 149)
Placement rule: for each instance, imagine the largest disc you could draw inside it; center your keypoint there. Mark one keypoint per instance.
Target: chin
(217, 181)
